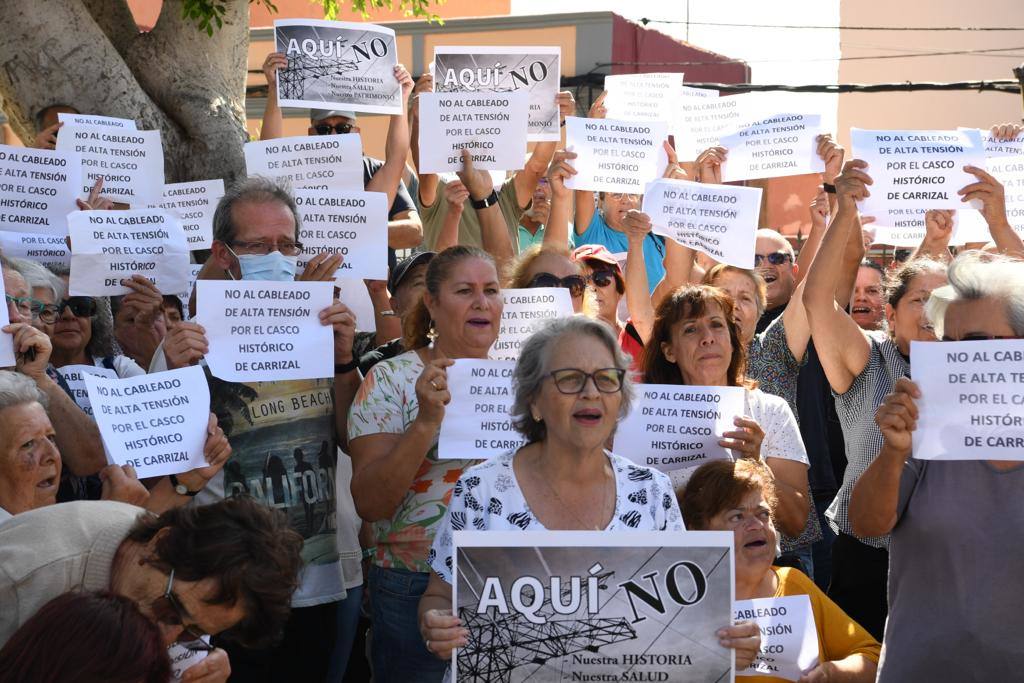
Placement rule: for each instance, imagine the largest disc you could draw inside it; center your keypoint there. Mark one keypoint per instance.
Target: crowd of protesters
(104, 577)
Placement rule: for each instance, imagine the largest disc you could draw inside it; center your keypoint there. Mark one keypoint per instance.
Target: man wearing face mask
(255, 238)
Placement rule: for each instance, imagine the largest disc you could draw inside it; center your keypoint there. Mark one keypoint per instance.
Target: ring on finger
(426, 644)
(436, 388)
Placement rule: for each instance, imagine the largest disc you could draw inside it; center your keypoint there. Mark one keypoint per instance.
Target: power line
(980, 52)
(998, 85)
(646, 20)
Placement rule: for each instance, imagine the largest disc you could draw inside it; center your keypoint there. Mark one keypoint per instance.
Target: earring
(536, 417)
(432, 332)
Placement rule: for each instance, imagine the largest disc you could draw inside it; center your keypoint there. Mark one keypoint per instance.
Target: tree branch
(115, 19)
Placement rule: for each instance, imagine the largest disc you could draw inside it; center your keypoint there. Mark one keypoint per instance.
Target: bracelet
(489, 200)
(388, 313)
(369, 552)
(346, 367)
(829, 187)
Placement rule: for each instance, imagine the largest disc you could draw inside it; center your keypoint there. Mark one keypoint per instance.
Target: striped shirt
(856, 409)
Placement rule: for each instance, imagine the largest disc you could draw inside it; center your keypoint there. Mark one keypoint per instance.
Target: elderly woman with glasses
(954, 525)
(571, 388)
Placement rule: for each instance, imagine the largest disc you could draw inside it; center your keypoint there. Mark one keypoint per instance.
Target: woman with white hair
(571, 388)
(955, 555)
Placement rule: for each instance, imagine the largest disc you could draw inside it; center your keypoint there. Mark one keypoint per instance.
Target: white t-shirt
(781, 433)
(487, 497)
(124, 366)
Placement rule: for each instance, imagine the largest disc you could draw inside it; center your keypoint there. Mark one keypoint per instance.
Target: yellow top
(839, 636)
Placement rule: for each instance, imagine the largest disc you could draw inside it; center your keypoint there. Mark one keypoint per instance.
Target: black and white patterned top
(856, 410)
(487, 497)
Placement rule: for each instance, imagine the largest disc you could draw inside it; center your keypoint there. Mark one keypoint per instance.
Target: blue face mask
(274, 266)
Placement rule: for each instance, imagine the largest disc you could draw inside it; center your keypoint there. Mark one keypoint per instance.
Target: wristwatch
(489, 200)
(180, 488)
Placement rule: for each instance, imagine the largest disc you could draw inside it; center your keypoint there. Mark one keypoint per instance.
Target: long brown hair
(416, 324)
(687, 303)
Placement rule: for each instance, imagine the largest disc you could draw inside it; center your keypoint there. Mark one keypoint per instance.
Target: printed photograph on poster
(535, 69)
(338, 65)
(555, 606)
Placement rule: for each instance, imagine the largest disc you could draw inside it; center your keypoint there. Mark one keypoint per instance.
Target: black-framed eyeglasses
(191, 637)
(573, 380)
(574, 283)
(979, 337)
(328, 129)
(264, 248)
(81, 307)
(776, 258)
(602, 278)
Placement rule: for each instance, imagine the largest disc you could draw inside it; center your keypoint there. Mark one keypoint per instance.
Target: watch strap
(180, 488)
(489, 200)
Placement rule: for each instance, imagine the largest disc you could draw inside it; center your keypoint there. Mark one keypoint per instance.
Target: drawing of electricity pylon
(302, 69)
(499, 644)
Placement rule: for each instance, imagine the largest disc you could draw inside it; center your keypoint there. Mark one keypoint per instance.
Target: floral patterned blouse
(386, 404)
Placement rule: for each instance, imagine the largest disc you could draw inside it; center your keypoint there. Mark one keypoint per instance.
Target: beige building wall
(928, 109)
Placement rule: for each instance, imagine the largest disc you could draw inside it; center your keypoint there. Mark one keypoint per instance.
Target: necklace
(565, 506)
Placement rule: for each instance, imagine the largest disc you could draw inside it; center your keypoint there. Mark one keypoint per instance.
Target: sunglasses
(602, 278)
(170, 611)
(81, 307)
(574, 283)
(339, 128)
(776, 258)
(573, 380)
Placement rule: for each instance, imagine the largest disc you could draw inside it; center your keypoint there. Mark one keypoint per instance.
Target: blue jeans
(348, 622)
(397, 651)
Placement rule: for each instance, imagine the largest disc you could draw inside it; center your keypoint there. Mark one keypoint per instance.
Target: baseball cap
(595, 252)
(400, 270)
(321, 114)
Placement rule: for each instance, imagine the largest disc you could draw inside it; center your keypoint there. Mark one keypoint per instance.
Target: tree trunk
(90, 54)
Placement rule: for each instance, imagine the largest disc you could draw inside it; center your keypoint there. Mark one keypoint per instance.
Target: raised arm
(396, 149)
(938, 229)
(385, 465)
(556, 232)
(993, 197)
(537, 165)
(494, 233)
(428, 181)
(584, 199)
(455, 194)
(841, 345)
(873, 507)
(832, 153)
(637, 225)
(798, 330)
(273, 122)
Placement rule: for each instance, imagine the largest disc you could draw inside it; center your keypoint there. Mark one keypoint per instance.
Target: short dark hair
(720, 485)
(246, 547)
(899, 281)
(41, 114)
(174, 302)
(86, 637)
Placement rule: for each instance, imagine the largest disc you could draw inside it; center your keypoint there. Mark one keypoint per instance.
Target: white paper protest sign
(7, 359)
(338, 65)
(972, 400)
(322, 161)
(495, 70)
(615, 156)
(68, 118)
(674, 427)
(353, 224)
(193, 274)
(1004, 159)
(110, 246)
(701, 121)
(524, 310)
(719, 220)
(74, 376)
(155, 423)
(38, 188)
(781, 144)
(183, 659)
(492, 126)
(260, 331)
(193, 204)
(789, 639)
(643, 97)
(353, 293)
(477, 422)
(917, 168)
(49, 250)
(131, 162)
